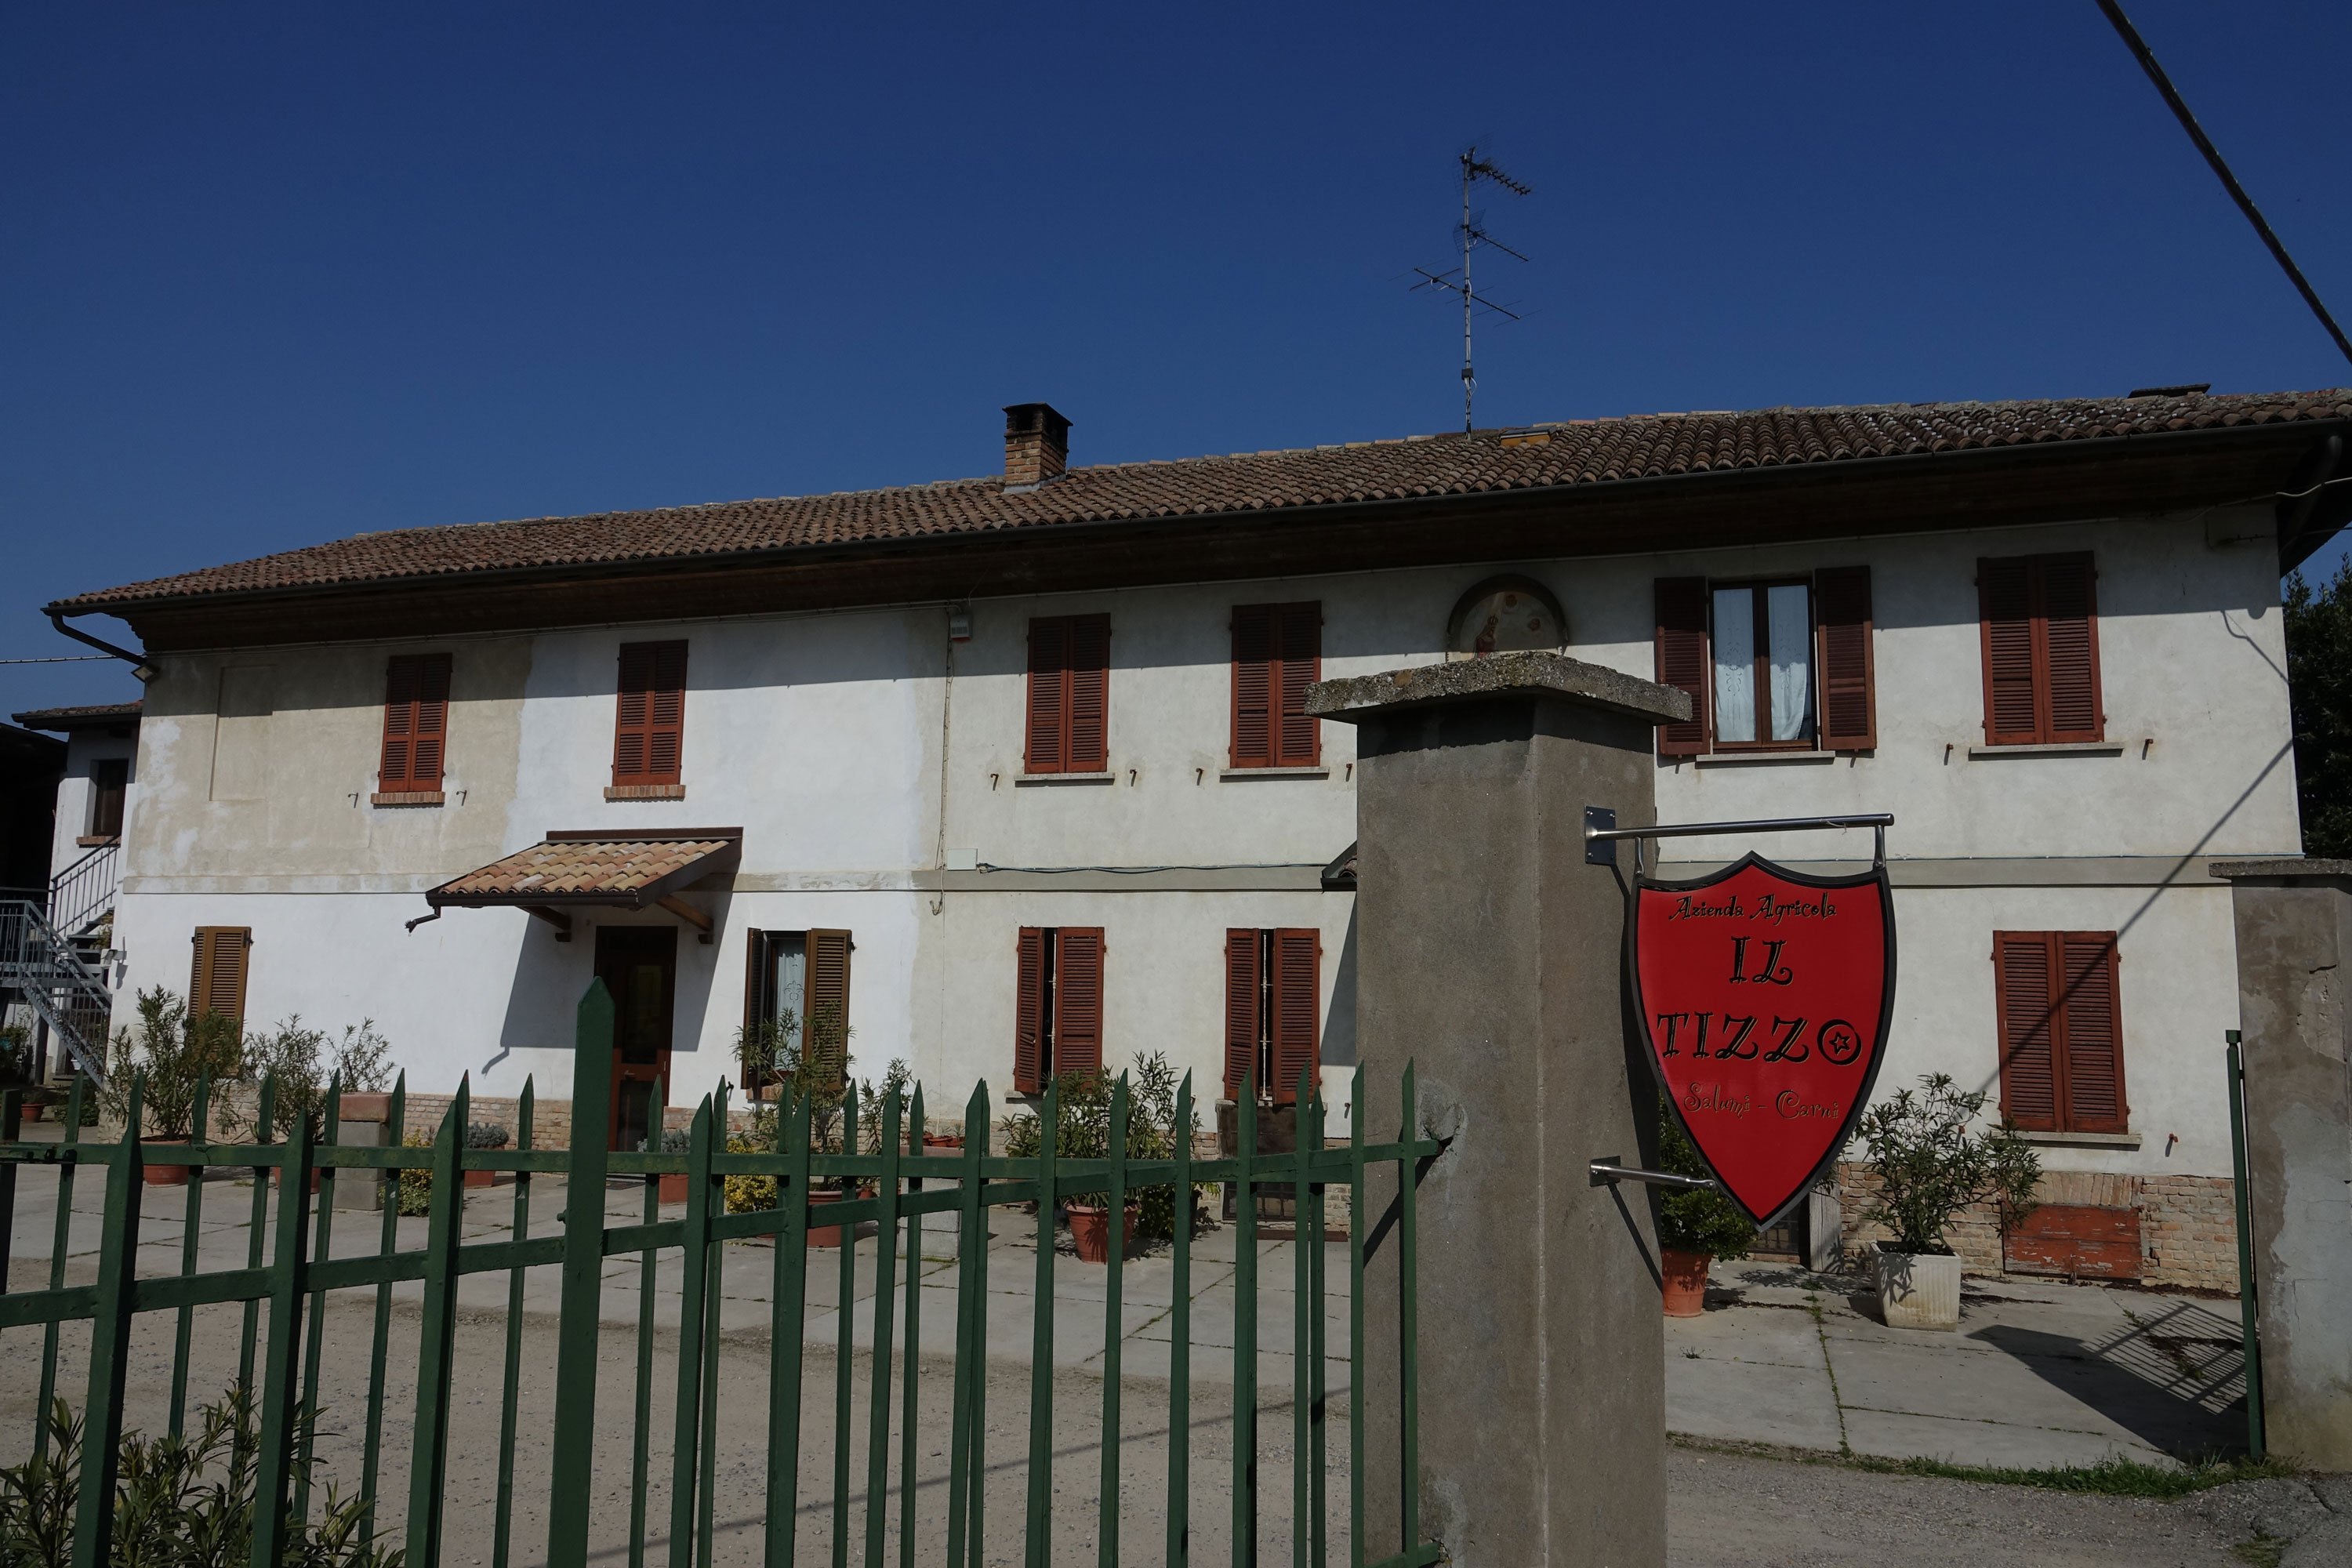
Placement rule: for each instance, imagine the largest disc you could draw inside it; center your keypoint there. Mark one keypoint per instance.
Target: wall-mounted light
(960, 623)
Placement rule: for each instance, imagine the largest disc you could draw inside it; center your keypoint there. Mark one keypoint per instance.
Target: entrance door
(639, 964)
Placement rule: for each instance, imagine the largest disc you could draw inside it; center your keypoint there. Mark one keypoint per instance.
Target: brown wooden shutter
(1088, 732)
(825, 1030)
(1242, 986)
(1298, 985)
(1849, 693)
(1078, 1000)
(1299, 650)
(1255, 717)
(2005, 622)
(1029, 1014)
(2022, 967)
(2068, 627)
(217, 980)
(1049, 685)
(649, 735)
(1681, 655)
(2094, 1046)
(758, 1007)
(416, 723)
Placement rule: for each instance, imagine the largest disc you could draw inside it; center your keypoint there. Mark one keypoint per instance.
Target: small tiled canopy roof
(630, 871)
(101, 716)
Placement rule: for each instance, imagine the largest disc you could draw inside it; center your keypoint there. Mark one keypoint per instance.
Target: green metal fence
(300, 1268)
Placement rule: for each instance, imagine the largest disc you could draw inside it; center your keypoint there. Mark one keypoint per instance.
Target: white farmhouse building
(1013, 769)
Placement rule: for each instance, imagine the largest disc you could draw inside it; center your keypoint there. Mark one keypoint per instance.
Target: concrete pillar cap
(1360, 697)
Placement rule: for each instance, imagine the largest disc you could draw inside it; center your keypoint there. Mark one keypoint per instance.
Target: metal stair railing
(83, 893)
(42, 965)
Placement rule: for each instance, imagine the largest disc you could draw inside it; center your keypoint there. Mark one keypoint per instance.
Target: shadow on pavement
(2139, 1379)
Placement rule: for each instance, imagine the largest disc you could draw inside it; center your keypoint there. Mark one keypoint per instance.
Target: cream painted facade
(863, 751)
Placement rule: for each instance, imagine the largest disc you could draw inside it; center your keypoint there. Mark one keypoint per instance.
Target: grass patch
(2262, 1551)
(2108, 1478)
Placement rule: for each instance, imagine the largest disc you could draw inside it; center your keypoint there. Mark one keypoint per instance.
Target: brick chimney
(1036, 445)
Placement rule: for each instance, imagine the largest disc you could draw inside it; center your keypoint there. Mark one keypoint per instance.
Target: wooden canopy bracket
(689, 913)
(556, 918)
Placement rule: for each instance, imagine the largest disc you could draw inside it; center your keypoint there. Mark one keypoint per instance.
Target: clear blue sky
(269, 277)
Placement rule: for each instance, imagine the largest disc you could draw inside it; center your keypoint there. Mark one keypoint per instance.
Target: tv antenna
(1476, 165)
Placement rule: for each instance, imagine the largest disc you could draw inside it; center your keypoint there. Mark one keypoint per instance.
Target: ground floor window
(1059, 1005)
(797, 982)
(217, 980)
(1274, 982)
(2061, 1046)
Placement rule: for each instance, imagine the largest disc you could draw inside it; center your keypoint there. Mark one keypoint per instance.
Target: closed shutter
(1029, 1014)
(416, 723)
(1849, 694)
(2070, 648)
(1254, 693)
(2094, 1053)
(1297, 987)
(217, 980)
(1049, 684)
(1681, 657)
(1078, 1000)
(1298, 648)
(649, 735)
(2022, 969)
(2005, 617)
(1277, 654)
(1088, 746)
(1242, 1025)
(825, 1033)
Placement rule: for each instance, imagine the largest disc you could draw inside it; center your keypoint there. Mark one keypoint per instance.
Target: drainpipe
(138, 661)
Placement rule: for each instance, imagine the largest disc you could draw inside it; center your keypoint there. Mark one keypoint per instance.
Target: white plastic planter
(1918, 1289)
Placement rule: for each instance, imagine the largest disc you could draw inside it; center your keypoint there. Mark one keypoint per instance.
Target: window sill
(96, 840)
(1762, 759)
(645, 792)
(2059, 748)
(1026, 781)
(408, 797)
(1274, 773)
(2083, 1139)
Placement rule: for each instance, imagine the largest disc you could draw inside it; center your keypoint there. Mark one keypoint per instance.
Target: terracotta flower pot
(33, 1112)
(1090, 1228)
(1685, 1281)
(482, 1178)
(167, 1175)
(943, 1140)
(825, 1235)
(277, 1179)
(673, 1187)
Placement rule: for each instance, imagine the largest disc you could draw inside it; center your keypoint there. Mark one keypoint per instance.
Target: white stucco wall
(850, 760)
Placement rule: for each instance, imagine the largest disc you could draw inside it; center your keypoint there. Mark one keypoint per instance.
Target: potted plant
(1084, 1133)
(1696, 1225)
(170, 1053)
(307, 1069)
(673, 1141)
(486, 1135)
(1930, 1163)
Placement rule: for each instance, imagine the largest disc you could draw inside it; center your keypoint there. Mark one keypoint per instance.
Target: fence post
(109, 1349)
(570, 1496)
(280, 1419)
(436, 1343)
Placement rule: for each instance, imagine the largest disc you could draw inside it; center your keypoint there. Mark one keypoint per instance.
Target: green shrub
(1085, 1134)
(417, 1186)
(487, 1135)
(179, 1502)
(1690, 1219)
(174, 1052)
(1930, 1166)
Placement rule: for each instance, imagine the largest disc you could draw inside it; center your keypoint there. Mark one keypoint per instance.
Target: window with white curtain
(1763, 655)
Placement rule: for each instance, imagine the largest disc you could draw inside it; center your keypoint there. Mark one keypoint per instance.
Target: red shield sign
(1766, 995)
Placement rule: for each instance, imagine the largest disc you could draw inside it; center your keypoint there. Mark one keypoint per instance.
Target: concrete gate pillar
(2295, 953)
(1491, 954)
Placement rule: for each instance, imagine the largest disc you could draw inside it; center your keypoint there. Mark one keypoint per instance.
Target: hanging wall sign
(1766, 995)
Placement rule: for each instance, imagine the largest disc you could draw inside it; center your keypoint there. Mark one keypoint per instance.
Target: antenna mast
(1476, 166)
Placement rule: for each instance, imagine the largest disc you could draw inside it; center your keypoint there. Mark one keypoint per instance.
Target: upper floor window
(2039, 622)
(109, 784)
(416, 724)
(2062, 1044)
(1775, 664)
(649, 734)
(1069, 695)
(1278, 654)
(1057, 1024)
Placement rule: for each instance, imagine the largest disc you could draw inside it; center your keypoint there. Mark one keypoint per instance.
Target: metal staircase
(52, 956)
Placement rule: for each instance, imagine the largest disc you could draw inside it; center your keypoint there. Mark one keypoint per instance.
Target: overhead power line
(2147, 57)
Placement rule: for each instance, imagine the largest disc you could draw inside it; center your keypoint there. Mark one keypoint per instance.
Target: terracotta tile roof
(629, 871)
(1580, 452)
(89, 718)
